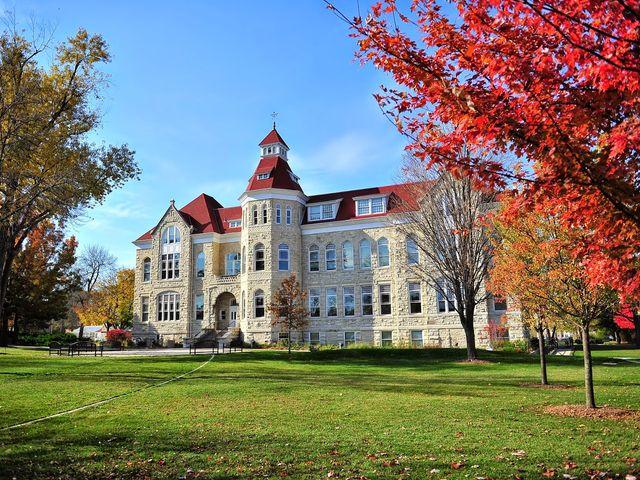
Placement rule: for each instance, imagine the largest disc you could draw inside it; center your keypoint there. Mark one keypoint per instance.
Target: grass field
(338, 414)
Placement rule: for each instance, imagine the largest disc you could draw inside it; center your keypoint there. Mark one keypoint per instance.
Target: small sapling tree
(288, 307)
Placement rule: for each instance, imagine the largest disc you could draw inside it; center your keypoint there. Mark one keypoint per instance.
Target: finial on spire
(274, 115)
(172, 202)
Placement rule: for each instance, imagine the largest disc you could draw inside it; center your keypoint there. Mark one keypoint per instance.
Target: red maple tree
(548, 87)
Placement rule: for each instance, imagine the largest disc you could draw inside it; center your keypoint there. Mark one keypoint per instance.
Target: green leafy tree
(288, 307)
(49, 168)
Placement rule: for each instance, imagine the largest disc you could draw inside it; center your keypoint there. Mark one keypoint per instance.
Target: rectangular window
(314, 302)
(386, 338)
(349, 338)
(415, 298)
(288, 215)
(259, 259)
(377, 205)
(327, 211)
(416, 338)
(263, 176)
(314, 338)
(370, 206)
(264, 215)
(499, 304)
(366, 299)
(199, 303)
(145, 309)
(278, 214)
(363, 207)
(314, 260)
(349, 300)
(234, 223)
(445, 297)
(170, 266)
(330, 254)
(259, 306)
(283, 258)
(385, 299)
(315, 213)
(169, 306)
(146, 271)
(332, 301)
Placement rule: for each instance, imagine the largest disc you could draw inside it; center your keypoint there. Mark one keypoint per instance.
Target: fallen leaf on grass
(519, 453)
(457, 465)
(549, 473)
(570, 465)
(390, 463)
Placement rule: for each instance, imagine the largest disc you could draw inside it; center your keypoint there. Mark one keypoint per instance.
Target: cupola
(273, 145)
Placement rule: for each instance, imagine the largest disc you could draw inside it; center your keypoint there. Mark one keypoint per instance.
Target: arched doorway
(226, 311)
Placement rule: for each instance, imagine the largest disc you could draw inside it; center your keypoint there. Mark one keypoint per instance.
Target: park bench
(84, 347)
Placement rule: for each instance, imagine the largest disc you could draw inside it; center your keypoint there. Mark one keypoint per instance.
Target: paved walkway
(156, 352)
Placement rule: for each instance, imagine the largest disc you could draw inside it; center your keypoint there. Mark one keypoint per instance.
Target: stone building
(206, 272)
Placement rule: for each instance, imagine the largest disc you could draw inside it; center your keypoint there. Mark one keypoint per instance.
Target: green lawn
(342, 414)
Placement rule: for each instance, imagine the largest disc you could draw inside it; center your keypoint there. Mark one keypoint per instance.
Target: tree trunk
(289, 337)
(636, 323)
(7, 255)
(588, 370)
(543, 356)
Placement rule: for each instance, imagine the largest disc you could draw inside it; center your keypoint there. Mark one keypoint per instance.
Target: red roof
(205, 214)
(280, 175)
(400, 198)
(273, 137)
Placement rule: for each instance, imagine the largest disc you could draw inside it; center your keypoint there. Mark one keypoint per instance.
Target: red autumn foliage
(118, 335)
(550, 89)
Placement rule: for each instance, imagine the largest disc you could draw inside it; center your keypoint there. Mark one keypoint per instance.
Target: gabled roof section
(280, 175)
(205, 215)
(401, 197)
(273, 137)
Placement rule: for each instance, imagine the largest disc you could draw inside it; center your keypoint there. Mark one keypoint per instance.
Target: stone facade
(230, 299)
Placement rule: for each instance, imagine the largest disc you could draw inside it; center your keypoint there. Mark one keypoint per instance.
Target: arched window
(283, 257)
(264, 214)
(168, 306)
(200, 265)
(383, 252)
(244, 305)
(171, 234)
(254, 212)
(244, 259)
(258, 304)
(278, 214)
(146, 270)
(347, 256)
(258, 257)
(330, 256)
(288, 215)
(314, 258)
(413, 254)
(365, 254)
(232, 263)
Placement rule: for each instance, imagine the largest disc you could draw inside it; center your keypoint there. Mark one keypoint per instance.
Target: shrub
(119, 336)
(46, 338)
(519, 346)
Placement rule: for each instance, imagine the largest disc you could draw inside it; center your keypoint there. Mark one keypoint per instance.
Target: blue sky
(192, 88)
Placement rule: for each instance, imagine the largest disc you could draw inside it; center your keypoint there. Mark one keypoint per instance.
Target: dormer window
(234, 223)
(371, 205)
(263, 176)
(325, 211)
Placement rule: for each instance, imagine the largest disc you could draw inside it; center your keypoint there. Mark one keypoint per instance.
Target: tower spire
(274, 115)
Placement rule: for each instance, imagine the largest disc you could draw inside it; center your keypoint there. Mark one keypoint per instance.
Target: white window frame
(386, 342)
(415, 288)
(259, 248)
(198, 307)
(413, 252)
(334, 295)
(348, 256)
(385, 289)
(258, 304)
(146, 270)
(200, 262)
(504, 299)
(376, 205)
(314, 249)
(414, 341)
(263, 176)
(349, 293)
(312, 340)
(170, 234)
(170, 266)
(144, 308)
(383, 242)
(232, 265)
(330, 248)
(314, 308)
(283, 256)
(278, 214)
(367, 242)
(445, 297)
(288, 215)
(235, 223)
(168, 306)
(322, 211)
(366, 290)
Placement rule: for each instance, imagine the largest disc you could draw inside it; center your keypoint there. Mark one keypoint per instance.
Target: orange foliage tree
(288, 307)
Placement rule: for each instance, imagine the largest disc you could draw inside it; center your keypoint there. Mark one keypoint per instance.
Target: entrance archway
(226, 311)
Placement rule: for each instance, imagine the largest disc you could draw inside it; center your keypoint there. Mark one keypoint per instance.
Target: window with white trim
(283, 257)
(365, 254)
(200, 265)
(258, 304)
(168, 306)
(445, 296)
(262, 176)
(254, 212)
(234, 223)
(314, 338)
(171, 234)
(278, 214)
(385, 299)
(321, 212)
(413, 253)
(314, 302)
(383, 252)
(416, 339)
(330, 256)
(415, 298)
(199, 306)
(146, 270)
(314, 258)
(366, 299)
(349, 301)
(288, 215)
(145, 309)
(264, 214)
(170, 266)
(232, 263)
(370, 206)
(350, 338)
(386, 338)
(332, 301)
(258, 257)
(347, 255)
(499, 303)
